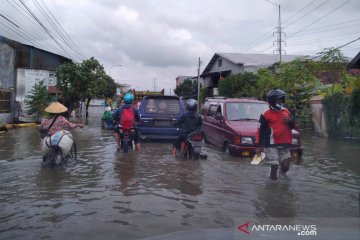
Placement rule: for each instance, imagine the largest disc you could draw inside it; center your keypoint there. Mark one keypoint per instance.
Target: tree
(70, 85)
(240, 85)
(37, 100)
(297, 79)
(84, 81)
(188, 89)
(333, 64)
(267, 80)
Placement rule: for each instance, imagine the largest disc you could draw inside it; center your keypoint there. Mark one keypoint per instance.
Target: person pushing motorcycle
(118, 115)
(188, 123)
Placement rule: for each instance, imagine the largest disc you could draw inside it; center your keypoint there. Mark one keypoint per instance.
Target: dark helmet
(129, 98)
(274, 95)
(191, 104)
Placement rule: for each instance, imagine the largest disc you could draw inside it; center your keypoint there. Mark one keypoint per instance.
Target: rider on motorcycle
(128, 100)
(188, 123)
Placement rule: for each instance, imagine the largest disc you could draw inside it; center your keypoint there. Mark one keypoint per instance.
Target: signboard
(25, 81)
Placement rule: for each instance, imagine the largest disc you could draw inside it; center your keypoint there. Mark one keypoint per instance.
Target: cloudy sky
(155, 41)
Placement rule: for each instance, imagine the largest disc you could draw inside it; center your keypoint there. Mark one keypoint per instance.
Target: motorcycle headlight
(246, 140)
(295, 141)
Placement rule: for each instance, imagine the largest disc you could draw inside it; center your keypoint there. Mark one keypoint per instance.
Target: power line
(341, 5)
(306, 13)
(357, 39)
(24, 32)
(330, 29)
(266, 35)
(332, 25)
(37, 36)
(298, 11)
(327, 39)
(9, 20)
(43, 26)
(63, 30)
(54, 27)
(344, 45)
(23, 11)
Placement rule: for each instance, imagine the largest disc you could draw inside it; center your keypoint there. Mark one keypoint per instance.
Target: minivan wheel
(226, 149)
(205, 139)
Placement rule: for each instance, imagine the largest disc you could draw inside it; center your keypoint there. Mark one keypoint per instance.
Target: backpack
(127, 118)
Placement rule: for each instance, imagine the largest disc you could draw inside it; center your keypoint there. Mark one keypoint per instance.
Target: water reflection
(147, 193)
(276, 200)
(125, 167)
(190, 177)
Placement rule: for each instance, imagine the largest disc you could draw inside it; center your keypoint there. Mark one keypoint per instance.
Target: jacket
(273, 130)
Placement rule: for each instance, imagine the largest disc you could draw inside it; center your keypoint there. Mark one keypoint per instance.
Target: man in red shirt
(274, 134)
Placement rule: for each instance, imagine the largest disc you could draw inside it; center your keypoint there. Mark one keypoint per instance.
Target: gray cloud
(159, 39)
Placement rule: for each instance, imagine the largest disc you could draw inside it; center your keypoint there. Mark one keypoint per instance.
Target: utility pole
(279, 33)
(198, 84)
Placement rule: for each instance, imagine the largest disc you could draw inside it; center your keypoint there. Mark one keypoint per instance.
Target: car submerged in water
(232, 124)
(158, 117)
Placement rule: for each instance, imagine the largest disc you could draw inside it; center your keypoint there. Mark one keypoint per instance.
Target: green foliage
(355, 104)
(342, 114)
(37, 100)
(188, 89)
(70, 84)
(97, 84)
(267, 80)
(84, 81)
(240, 85)
(333, 63)
(204, 93)
(298, 81)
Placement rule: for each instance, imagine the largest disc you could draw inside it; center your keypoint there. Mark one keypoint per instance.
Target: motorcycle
(191, 147)
(58, 148)
(127, 137)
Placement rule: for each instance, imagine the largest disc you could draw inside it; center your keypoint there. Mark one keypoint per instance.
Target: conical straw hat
(56, 107)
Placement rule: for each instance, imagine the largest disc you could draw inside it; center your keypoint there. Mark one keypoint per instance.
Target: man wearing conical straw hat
(56, 110)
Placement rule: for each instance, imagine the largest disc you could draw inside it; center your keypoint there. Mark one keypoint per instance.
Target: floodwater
(110, 195)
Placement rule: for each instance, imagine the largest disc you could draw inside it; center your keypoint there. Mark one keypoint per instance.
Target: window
(236, 111)
(204, 108)
(212, 110)
(162, 105)
(220, 62)
(5, 101)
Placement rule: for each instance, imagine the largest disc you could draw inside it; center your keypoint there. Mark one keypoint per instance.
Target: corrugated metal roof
(355, 62)
(17, 45)
(248, 59)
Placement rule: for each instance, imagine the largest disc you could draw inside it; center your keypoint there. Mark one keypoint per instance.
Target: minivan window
(237, 111)
(162, 106)
(212, 110)
(205, 108)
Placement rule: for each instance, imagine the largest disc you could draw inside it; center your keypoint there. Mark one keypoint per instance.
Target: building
(181, 79)
(222, 65)
(21, 66)
(354, 65)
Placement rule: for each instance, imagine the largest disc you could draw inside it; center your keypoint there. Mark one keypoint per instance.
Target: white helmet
(191, 104)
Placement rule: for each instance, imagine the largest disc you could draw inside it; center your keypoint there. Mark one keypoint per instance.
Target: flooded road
(110, 195)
